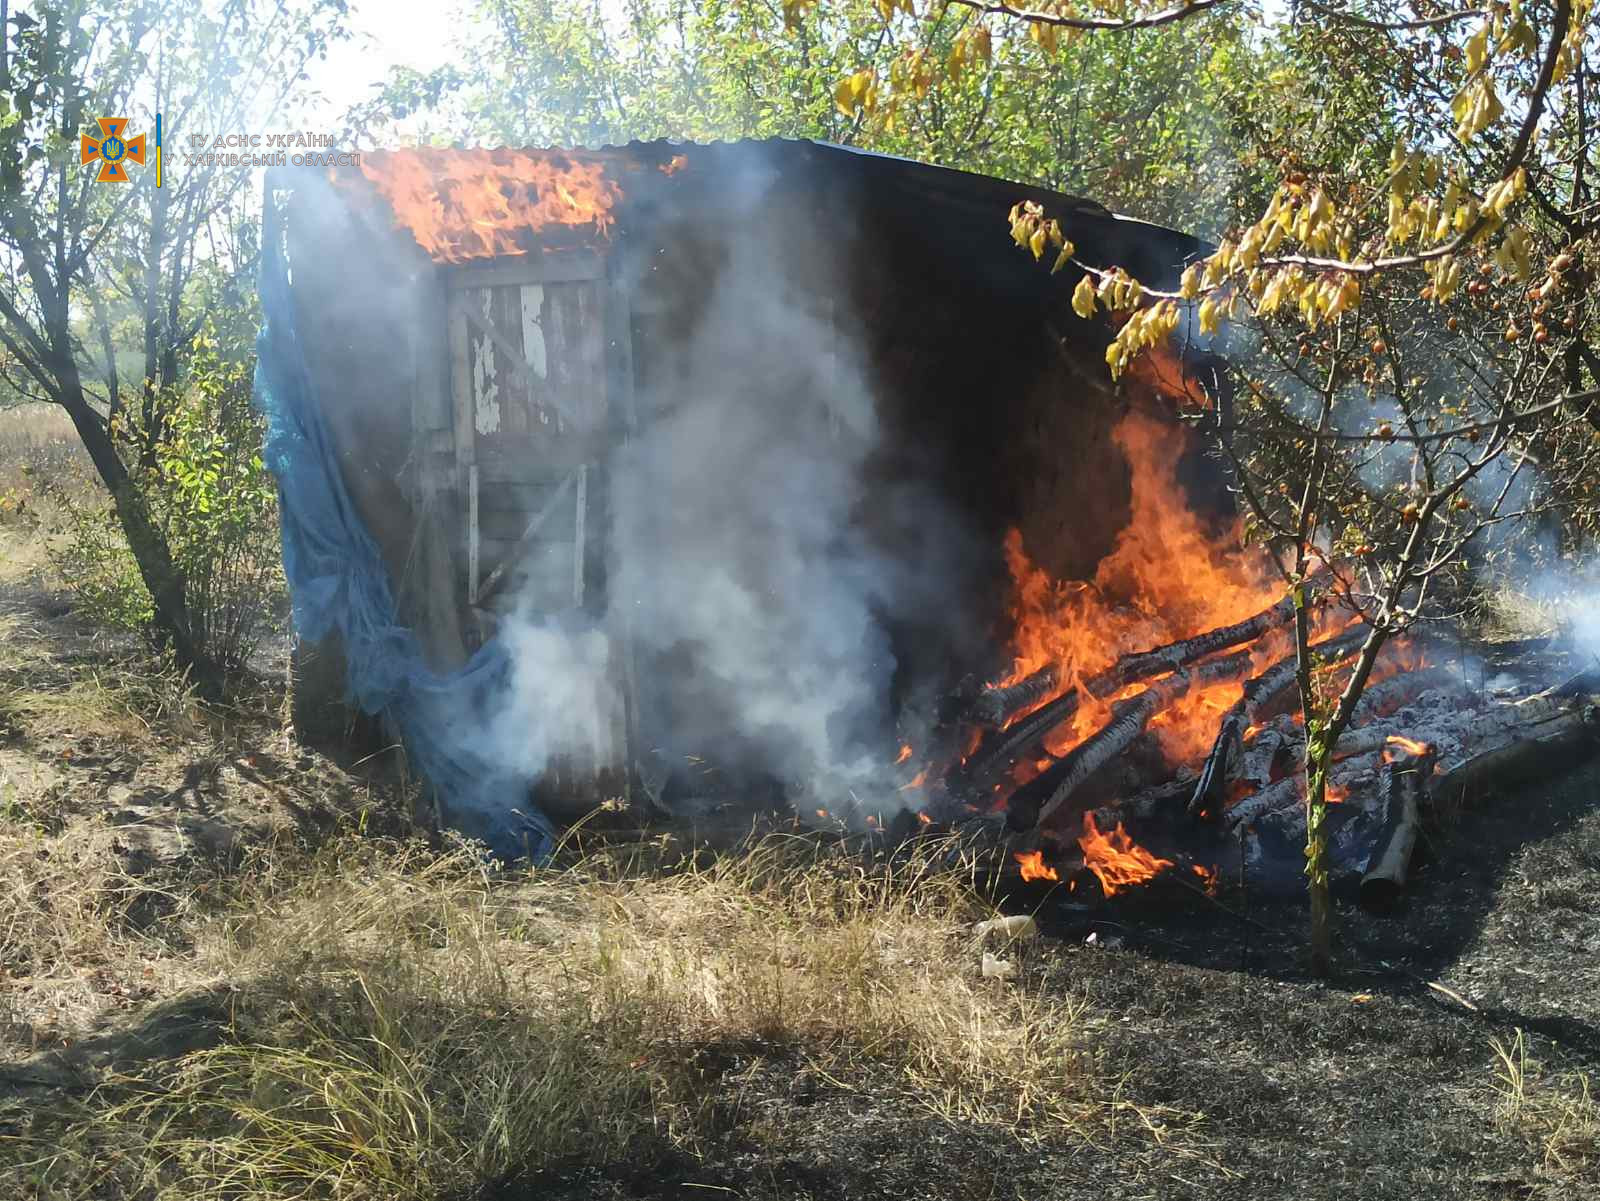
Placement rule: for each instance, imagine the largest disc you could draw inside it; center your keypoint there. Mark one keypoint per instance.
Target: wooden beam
(560, 266)
(582, 476)
(472, 534)
(466, 437)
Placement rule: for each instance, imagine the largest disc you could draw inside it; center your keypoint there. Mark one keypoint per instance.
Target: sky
(387, 34)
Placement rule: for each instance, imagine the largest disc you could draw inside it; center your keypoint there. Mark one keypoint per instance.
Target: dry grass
(406, 1023)
(37, 441)
(1557, 1116)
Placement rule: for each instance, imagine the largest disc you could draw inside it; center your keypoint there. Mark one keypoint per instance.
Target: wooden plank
(430, 408)
(466, 439)
(622, 411)
(495, 496)
(537, 461)
(540, 579)
(513, 523)
(472, 535)
(516, 372)
(486, 375)
(581, 510)
(551, 267)
(516, 396)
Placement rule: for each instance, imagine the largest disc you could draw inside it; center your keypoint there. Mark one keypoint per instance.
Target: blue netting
(338, 583)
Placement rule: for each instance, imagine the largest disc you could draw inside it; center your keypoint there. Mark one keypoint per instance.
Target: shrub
(201, 469)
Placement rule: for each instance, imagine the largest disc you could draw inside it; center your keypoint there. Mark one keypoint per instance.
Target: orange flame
(1116, 858)
(917, 781)
(1336, 794)
(1033, 866)
(1166, 578)
(905, 753)
(469, 204)
(675, 164)
(1406, 746)
(924, 819)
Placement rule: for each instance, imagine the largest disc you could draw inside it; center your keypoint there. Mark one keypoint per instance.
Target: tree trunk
(151, 552)
(1319, 753)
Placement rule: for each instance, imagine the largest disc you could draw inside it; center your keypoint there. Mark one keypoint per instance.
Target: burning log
(1000, 751)
(1210, 792)
(1144, 664)
(1344, 780)
(1261, 694)
(1128, 720)
(1265, 693)
(1543, 738)
(1401, 791)
(1261, 758)
(995, 706)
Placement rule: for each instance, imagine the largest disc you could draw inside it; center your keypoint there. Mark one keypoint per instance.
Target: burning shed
(671, 471)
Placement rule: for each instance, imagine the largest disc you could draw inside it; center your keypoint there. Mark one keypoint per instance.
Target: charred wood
(1211, 790)
(1400, 795)
(1144, 664)
(1347, 779)
(1388, 695)
(994, 706)
(1585, 683)
(1262, 759)
(1521, 752)
(1265, 694)
(1128, 720)
(997, 752)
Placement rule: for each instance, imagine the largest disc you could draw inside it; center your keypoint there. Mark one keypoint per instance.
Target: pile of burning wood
(1106, 802)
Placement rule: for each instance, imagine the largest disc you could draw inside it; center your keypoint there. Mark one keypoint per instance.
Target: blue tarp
(338, 583)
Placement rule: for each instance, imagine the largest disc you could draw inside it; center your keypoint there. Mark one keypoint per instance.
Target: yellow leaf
(1065, 257)
(1083, 297)
(1038, 241)
(1477, 49)
(1189, 286)
(844, 98)
(981, 45)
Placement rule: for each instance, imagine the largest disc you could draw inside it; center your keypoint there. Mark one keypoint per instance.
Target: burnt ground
(1213, 1065)
(1383, 1082)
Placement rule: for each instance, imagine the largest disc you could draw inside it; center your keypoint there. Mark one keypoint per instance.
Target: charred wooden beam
(1348, 778)
(1211, 789)
(1261, 694)
(994, 706)
(1266, 691)
(1522, 751)
(1001, 749)
(1585, 683)
(1401, 792)
(1144, 664)
(1128, 720)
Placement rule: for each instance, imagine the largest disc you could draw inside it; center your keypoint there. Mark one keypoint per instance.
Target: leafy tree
(84, 261)
(1133, 124)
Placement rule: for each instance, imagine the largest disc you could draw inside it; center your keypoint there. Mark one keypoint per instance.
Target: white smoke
(738, 546)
